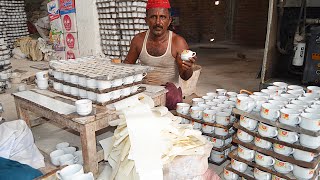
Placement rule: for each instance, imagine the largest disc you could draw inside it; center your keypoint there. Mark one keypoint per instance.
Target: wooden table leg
(22, 113)
(89, 149)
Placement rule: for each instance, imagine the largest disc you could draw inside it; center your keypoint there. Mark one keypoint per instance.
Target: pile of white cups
(65, 155)
(74, 172)
(214, 107)
(287, 104)
(42, 79)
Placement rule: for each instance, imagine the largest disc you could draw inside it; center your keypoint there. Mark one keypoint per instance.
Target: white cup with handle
(67, 159)
(229, 175)
(69, 172)
(264, 160)
(270, 111)
(183, 108)
(281, 149)
(267, 131)
(303, 173)
(246, 153)
(196, 112)
(243, 136)
(310, 121)
(282, 166)
(303, 155)
(248, 123)
(261, 175)
(246, 104)
(239, 166)
(55, 155)
(187, 54)
(262, 143)
(289, 116)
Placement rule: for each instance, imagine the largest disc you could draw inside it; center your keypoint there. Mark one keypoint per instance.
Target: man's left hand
(187, 65)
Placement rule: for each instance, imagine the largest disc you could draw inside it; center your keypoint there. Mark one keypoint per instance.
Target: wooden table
(86, 126)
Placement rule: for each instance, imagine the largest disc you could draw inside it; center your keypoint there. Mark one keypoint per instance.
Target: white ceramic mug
(183, 108)
(196, 112)
(212, 94)
(105, 97)
(187, 54)
(288, 96)
(69, 150)
(277, 89)
(67, 159)
(282, 85)
(313, 89)
(270, 111)
(102, 84)
(262, 143)
(74, 79)
(197, 101)
(204, 106)
(217, 157)
(128, 80)
(42, 75)
(290, 116)
(278, 103)
(69, 172)
(246, 153)
(88, 176)
(209, 115)
(84, 107)
(239, 166)
(207, 98)
(57, 86)
(295, 87)
(243, 136)
(287, 136)
(303, 173)
(229, 175)
(196, 126)
(139, 77)
(267, 131)
(248, 123)
(223, 118)
(310, 121)
(79, 156)
(125, 92)
(66, 89)
(42, 84)
(207, 129)
(259, 100)
(83, 93)
(221, 92)
(55, 155)
(261, 175)
(271, 93)
(303, 155)
(117, 82)
(281, 149)
(282, 166)
(309, 141)
(218, 143)
(61, 145)
(74, 91)
(221, 131)
(295, 107)
(264, 160)
(246, 104)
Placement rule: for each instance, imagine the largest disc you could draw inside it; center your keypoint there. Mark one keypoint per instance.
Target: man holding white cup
(160, 48)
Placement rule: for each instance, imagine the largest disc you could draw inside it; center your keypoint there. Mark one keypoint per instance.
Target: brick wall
(201, 20)
(250, 24)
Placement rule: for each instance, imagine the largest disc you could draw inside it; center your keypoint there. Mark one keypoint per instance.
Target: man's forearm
(186, 75)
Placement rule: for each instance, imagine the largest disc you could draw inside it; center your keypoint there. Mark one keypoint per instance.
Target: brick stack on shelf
(15, 21)
(5, 66)
(282, 139)
(119, 21)
(98, 80)
(212, 114)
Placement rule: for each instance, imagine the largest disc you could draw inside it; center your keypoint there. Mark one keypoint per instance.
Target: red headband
(158, 4)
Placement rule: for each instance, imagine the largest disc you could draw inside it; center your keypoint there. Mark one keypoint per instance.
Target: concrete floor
(221, 68)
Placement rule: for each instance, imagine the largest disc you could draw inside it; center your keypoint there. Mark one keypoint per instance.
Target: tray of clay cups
(64, 154)
(213, 111)
(294, 109)
(101, 99)
(252, 164)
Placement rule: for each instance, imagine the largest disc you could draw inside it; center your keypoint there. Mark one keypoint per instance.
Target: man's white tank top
(165, 66)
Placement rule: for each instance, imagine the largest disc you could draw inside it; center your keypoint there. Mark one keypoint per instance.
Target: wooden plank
(202, 122)
(274, 140)
(281, 157)
(257, 117)
(234, 155)
(218, 164)
(218, 136)
(223, 148)
(245, 175)
(89, 149)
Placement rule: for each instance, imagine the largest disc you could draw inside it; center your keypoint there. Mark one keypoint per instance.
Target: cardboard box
(58, 41)
(71, 41)
(72, 54)
(67, 6)
(69, 22)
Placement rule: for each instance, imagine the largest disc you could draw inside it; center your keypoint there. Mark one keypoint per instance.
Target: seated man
(160, 48)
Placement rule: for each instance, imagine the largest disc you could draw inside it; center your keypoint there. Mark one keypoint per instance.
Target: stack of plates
(14, 17)
(5, 68)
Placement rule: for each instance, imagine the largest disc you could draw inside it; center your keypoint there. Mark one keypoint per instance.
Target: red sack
(173, 96)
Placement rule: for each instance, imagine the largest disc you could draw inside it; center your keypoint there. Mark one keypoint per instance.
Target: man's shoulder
(178, 40)
(139, 38)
